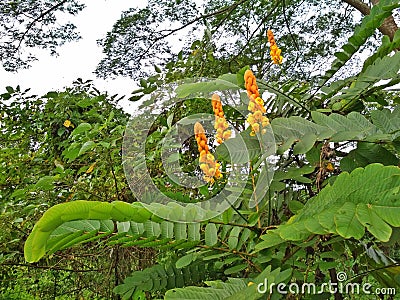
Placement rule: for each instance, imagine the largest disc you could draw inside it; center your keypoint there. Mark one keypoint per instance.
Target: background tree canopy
(70, 226)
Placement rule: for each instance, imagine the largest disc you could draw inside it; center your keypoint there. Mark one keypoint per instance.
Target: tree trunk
(389, 26)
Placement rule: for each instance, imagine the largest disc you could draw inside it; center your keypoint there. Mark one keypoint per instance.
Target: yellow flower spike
(207, 161)
(250, 84)
(221, 125)
(256, 104)
(275, 51)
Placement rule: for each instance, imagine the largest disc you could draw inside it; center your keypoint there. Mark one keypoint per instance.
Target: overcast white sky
(76, 59)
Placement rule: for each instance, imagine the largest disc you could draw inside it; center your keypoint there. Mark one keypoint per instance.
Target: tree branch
(228, 9)
(389, 26)
(359, 5)
(41, 16)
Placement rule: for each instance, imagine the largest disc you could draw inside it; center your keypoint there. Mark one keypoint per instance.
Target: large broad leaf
(224, 82)
(366, 199)
(83, 127)
(365, 154)
(335, 127)
(68, 224)
(36, 245)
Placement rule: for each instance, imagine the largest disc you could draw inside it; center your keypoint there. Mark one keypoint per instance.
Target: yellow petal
(67, 123)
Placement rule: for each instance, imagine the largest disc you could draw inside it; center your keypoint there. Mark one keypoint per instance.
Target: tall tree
(233, 33)
(29, 24)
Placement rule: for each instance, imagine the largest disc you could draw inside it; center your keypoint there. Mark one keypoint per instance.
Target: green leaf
(233, 238)
(295, 206)
(87, 146)
(379, 228)
(36, 246)
(388, 214)
(211, 234)
(82, 127)
(386, 47)
(185, 260)
(383, 68)
(356, 194)
(205, 88)
(86, 102)
(240, 149)
(347, 224)
(143, 83)
(45, 183)
(367, 153)
(271, 239)
(235, 269)
(10, 89)
(305, 144)
(157, 69)
(240, 76)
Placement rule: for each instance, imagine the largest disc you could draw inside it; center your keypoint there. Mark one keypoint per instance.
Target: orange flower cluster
(208, 164)
(256, 105)
(275, 51)
(221, 125)
(251, 84)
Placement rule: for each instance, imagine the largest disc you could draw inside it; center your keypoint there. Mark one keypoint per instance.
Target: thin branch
(41, 16)
(296, 45)
(226, 250)
(115, 177)
(252, 228)
(230, 11)
(374, 270)
(254, 32)
(201, 17)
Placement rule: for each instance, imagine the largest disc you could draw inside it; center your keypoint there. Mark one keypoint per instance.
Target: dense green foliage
(315, 197)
